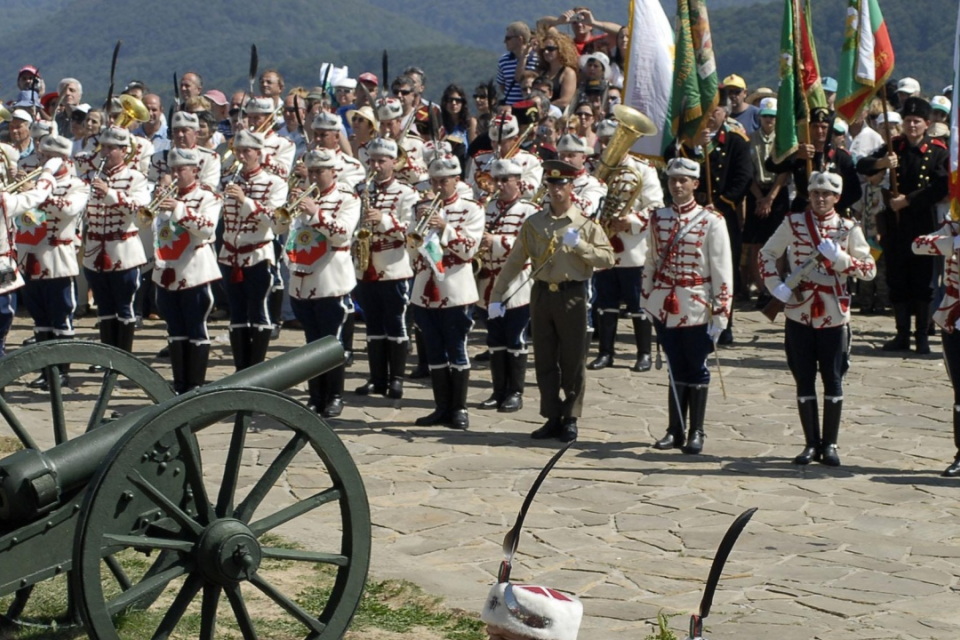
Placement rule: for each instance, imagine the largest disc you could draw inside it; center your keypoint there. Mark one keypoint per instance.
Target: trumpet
(484, 179)
(16, 187)
(292, 208)
(416, 236)
(364, 232)
(229, 158)
(149, 212)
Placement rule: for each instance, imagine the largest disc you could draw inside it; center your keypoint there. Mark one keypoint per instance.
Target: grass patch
(8, 445)
(663, 631)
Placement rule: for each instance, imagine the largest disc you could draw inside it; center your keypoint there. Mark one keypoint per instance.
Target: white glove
(782, 293)
(714, 330)
(956, 243)
(829, 249)
(495, 310)
(571, 238)
(53, 165)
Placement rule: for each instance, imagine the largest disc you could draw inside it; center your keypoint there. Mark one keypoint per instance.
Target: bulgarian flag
(432, 252)
(955, 133)
(800, 85)
(866, 60)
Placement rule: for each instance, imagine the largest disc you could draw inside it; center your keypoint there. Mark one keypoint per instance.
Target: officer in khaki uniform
(565, 248)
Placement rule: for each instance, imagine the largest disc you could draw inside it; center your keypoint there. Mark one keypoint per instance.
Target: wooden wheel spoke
(162, 501)
(295, 510)
(122, 578)
(231, 471)
(190, 452)
(249, 505)
(208, 610)
(240, 611)
(18, 429)
(287, 604)
(103, 400)
(299, 555)
(189, 590)
(114, 542)
(56, 403)
(157, 581)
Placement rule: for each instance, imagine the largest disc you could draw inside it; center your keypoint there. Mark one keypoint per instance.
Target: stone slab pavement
(867, 550)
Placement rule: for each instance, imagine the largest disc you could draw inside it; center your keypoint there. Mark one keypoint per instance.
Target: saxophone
(362, 244)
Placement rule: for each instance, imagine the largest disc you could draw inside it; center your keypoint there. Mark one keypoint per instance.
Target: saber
(673, 385)
(716, 360)
(113, 72)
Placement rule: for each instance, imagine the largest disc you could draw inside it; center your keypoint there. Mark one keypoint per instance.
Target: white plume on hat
(683, 167)
(183, 158)
(185, 120)
(534, 612)
(444, 167)
(825, 181)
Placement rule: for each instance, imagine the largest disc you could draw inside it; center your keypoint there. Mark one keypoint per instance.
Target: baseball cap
(216, 97)
(733, 80)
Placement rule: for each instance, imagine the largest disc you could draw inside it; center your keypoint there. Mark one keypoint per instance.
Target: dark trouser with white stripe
(51, 303)
(384, 304)
(687, 350)
(250, 322)
(620, 284)
(115, 292)
(8, 309)
(445, 337)
(322, 317)
(186, 312)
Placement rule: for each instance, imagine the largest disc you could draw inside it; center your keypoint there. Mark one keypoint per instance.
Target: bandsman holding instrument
(321, 221)
(633, 191)
(688, 291)
(13, 205)
(112, 250)
(184, 216)
(411, 169)
(384, 270)
(823, 250)
(564, 247)
(447, 235)
(39, 129)
(504, 133)
(185, 126)
(278, 153)
(46, 251)
(505, 335)
(326, 136)
(588, 191)
(128, 112)
(247, 259)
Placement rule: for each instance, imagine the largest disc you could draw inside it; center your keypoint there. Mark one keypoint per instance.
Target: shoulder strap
(676, 239)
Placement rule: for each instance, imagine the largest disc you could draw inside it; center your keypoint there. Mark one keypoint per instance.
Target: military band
(411, 168)
(505, 133)
(326, 135)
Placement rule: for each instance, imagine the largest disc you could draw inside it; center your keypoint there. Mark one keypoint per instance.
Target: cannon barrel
(33, 482)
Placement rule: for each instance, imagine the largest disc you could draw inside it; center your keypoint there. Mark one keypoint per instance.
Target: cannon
(148, 508)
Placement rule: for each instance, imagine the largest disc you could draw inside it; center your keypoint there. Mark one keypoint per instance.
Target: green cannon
(178, 503)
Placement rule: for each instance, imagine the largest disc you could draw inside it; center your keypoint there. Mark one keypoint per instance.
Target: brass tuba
(624, 184)
(132, 110)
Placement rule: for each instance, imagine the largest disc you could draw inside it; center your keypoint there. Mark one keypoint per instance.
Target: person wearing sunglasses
(558, 63)
(582, 123)
(455, 116)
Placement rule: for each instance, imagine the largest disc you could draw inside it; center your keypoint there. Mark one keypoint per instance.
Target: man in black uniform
(920, 163)
(730, 174)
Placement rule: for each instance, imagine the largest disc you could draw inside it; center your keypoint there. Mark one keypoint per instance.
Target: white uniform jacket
(941, 244)
(248, 229)
(12, 206)
(350, 171)
(687, 279)
(630, 247)
(415, 170)
(503, 223)
(530, 178)
(318, 246)
(278, 154)
(587, 193)
(821, 301)
(389, 259)
(209, 175)
(111, 239)
(183, 245)
(47, 244)
(459, 242)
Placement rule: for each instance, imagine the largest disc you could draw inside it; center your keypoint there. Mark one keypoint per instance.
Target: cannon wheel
(25, 363)
(214, 537)
(49, 356)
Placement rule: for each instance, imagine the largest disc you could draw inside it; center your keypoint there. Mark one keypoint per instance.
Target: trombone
(286, 212)
(416, 236)
(149, 212)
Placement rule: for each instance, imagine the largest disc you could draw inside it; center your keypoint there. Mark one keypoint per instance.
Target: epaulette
(938, 142)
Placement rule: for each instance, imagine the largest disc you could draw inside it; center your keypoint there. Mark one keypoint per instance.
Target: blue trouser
(249, 297)
(115, 292)
(321, 317)
(507, 331)
(810, 350)
(384, 304)
(445, 335)
(51, 303)
(8, 309)
(687, 350)
(186, 311)
(621, 284)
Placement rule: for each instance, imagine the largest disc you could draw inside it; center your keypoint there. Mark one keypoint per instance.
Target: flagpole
(797, 59)
(894, 187)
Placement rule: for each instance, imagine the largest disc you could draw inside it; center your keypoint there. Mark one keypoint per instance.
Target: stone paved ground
(869, 550)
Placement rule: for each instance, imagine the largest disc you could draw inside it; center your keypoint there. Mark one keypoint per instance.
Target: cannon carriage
(175, 504)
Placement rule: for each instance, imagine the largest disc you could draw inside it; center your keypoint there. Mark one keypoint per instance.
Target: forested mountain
(452, 41)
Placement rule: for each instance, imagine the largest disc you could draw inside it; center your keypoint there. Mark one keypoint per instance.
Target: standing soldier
(587, 190)
(447, 236)
(278, 153)
(920, 165)
(817, 333)
(565, 247)
(411, 171)
(12, 207)
(112, 251)
(687, 289)
(185, 126)
(321, 272)
(504, 132)
(384, 288)
(505, 335)
(184, 227)
(247, 258)
(47, 255)
(326, 135)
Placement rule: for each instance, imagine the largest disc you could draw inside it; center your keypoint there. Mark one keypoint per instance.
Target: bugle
(417, 235)
(150, 211)
(286, 212)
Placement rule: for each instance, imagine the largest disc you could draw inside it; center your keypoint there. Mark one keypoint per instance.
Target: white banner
(649, 72)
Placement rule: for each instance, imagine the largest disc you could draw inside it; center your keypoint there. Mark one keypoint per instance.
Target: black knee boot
(498, 374)
(178, 358)
(259, 344)
(901, 342)
(421, 370)
(954, 469)
(606, 328)
(676, 409)
(698, 410)
(459, 384)
(376, 356)
(441, 396)
(396, 359)
(832, 408)
(108, 331)
(124, 335)
(810, 421)
(516, 377)
(346, 335)
(317, 393)
(642, 332)
(41, 381)
(333, 403)
(275, 309)
(921, 328)
(197, 360)
(240, 346)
